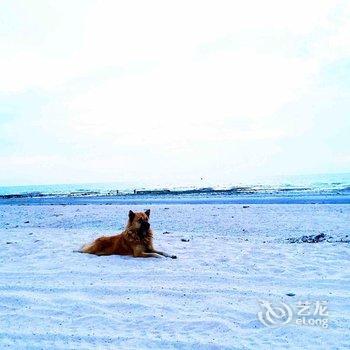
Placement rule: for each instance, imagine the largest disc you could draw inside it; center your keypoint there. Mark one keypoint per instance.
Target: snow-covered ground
(53, 298)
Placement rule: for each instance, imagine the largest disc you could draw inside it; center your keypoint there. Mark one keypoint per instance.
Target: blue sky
(168, 92)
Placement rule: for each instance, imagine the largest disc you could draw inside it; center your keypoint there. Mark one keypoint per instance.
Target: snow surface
(53, 298)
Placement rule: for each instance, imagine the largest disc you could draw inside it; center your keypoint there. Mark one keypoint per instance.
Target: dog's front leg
(147, 255)
(164, 254)
(140, 253)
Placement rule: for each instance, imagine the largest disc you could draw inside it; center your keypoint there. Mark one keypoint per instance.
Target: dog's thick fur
(135, 240)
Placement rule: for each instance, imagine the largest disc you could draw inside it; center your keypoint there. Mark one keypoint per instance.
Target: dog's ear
(131, 215)
(148, 212)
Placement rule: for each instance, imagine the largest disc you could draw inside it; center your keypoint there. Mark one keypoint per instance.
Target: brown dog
(135, 240)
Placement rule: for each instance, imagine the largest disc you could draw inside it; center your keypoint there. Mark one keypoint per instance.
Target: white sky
(168, 92)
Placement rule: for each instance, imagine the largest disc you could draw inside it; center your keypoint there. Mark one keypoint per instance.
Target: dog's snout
(146, 225)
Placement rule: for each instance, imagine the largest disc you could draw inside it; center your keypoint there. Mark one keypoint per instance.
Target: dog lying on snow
(135, 240)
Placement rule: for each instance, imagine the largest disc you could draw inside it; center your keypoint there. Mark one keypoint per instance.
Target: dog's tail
(84, 249)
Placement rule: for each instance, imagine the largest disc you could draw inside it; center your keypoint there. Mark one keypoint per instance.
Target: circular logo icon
(272, 315)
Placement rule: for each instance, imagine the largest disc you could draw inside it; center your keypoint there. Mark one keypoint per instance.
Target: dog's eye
(140, 220)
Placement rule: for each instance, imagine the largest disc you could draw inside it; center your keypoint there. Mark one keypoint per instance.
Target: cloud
(217, 88)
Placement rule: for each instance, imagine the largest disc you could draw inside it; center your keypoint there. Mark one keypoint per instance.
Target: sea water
(319, 188)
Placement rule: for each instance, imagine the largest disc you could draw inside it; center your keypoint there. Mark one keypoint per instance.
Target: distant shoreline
(326, 188)
(191, 197)
(239, 190)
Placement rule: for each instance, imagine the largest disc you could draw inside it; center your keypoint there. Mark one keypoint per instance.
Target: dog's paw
(174, 257)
